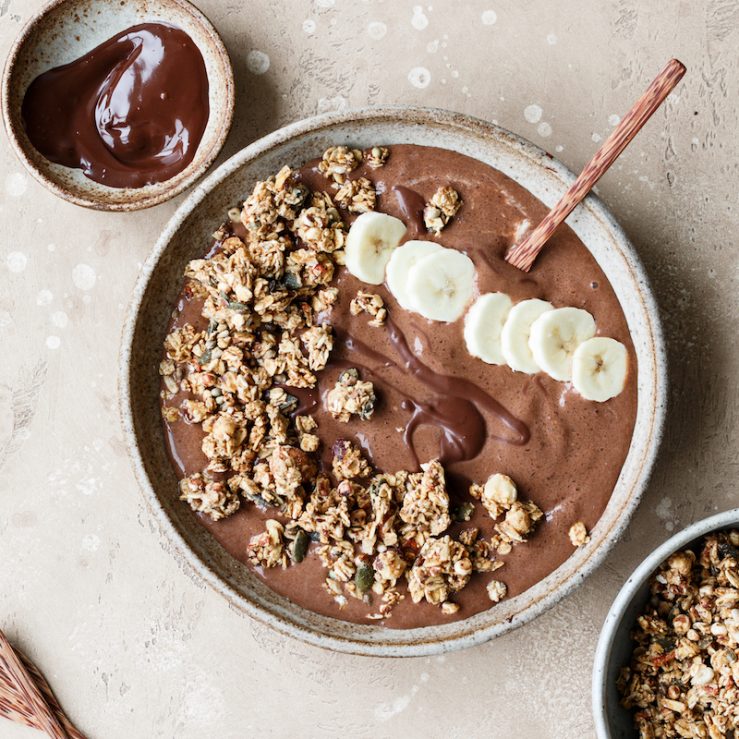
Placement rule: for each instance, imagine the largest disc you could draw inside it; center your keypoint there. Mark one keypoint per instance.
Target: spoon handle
(522, 255)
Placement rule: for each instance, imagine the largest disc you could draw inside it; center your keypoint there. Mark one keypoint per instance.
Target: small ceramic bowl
(184, 239)
(63, 31)
(615, 646)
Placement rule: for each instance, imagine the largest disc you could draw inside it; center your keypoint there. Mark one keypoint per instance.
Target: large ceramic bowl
(615, 645)
(64, 30)
(184, 238)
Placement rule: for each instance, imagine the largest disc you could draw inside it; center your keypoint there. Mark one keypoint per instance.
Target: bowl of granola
(667, 661)
(352, 418)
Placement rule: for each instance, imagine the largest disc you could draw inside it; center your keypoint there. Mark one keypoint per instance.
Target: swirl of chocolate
(129, 113)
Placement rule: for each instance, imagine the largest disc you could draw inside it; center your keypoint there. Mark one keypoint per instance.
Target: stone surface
(127, 641)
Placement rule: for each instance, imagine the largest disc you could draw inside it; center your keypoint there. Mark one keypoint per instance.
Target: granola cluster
(354, 195)
(499, 496)
(442, 207)
(357, 196)
(373, 305)
(266, 298)
(351, 396)
(578, 534)
(338, 161)
(683, 679)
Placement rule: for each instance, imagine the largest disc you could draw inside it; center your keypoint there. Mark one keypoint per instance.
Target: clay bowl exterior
(185, 238)
(66, 29)
(615, 645)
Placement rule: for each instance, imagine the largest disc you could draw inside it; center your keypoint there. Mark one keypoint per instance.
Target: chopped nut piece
(170, 414)
(442, 207)
(338, 161)
(448, 608)
(372, 304)
(498, 494)
(357, 196)
(578, 534)
(519, 521)
(377, 156)
(469, 536)
(351, 396)
(497, 590)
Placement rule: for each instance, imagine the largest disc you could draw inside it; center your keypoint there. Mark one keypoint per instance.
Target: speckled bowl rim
(562, 583)
(623, 600)
(137, 202)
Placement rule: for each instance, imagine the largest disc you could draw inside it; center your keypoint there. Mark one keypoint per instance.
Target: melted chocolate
(456, 405)
(411, 206)
(457, 387)
(129, 113)
(462, 427)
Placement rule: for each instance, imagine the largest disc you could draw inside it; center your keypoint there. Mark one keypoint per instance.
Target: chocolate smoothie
(129, 113)
(436, 401)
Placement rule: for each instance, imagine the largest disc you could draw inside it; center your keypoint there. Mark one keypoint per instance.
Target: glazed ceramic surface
(65, 30)
(185, 238)
(615, 645)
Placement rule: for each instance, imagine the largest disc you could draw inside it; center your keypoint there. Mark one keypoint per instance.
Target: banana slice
(554, 337)
(370, 243)
(599, 368)
(440, 285)
(401, 261)
(483, 325)
(514, 339)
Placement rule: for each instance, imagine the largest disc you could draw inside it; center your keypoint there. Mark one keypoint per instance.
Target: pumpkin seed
(366, 411)
(300, 546)
(289, 403)
(238, 307)
(463, 512)
(364, 578)
(292, 281)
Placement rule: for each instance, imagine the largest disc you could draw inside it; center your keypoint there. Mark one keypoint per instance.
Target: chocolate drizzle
(455, 405)
(411, 206)
(129, 113)
(462, 427)
(459, 388)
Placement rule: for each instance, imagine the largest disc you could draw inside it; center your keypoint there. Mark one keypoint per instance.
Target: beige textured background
(132, 646)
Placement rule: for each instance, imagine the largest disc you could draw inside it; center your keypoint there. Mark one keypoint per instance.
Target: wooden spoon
(523, 255)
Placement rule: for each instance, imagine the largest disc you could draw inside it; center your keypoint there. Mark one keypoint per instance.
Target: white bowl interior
(74, 27)
(185, 238)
